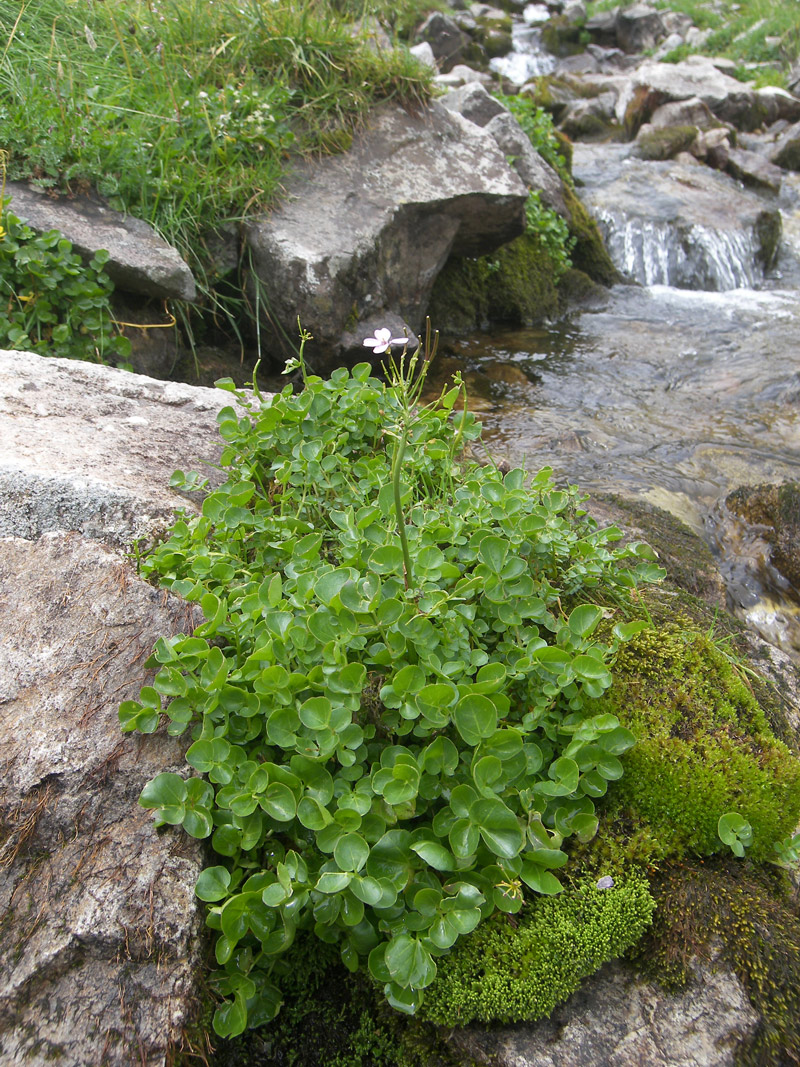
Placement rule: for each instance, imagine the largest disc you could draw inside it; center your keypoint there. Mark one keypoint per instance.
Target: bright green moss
(703, 748)
(522, 967)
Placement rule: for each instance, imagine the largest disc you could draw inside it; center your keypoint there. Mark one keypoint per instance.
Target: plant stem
(397, 468)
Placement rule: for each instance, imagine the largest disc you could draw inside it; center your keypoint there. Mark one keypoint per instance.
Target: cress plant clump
(388, 701)
(53, 303)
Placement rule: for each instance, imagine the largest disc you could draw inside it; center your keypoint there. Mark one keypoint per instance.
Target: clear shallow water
(673, 395)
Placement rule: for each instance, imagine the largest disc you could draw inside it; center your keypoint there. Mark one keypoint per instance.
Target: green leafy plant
(551, 230)
(53, 302)
(735, 832)
(538, 126)
(388, 698)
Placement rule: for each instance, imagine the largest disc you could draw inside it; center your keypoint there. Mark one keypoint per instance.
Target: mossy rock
(577, 291)
(515, 285)
(703, 748)
(562, 37)
(519, 968)
(750, 915)
(666, 142)
(589, 253)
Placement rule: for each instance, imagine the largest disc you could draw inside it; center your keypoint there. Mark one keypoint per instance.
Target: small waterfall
(528, 58)
(686, 257)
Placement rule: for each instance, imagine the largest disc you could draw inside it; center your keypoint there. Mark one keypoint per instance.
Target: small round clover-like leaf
(230, 1018)
(540, 880)
(498, 827)
(351, 852)
(735, 831)
(435, 855)
(279, 802)
(409, 962)
(475, 717)
(167, 792)
(212, 884)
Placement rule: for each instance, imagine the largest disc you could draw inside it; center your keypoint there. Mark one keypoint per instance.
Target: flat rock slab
(141, 261)
(365, 234)
(617, 1019)
(92, 448)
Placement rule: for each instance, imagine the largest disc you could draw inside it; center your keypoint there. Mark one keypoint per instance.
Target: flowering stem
(397, 468)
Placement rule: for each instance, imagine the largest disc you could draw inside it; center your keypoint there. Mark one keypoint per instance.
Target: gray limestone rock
(91, 448)
(753, 169)
(99, 928)
(638, 28)
(99, 932)
(653, 84)
(529, 165)
(474, 103)
(617, 1019)
(366, 233)
(445, 37)
(786, 151)
(141, 262)
(690, 112)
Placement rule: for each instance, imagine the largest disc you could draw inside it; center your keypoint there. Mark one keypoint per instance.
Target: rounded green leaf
(475, 718)
(279, 802)
(435, 855)
(166, 790)
(213, 883)
(351, 852)
(498, 827)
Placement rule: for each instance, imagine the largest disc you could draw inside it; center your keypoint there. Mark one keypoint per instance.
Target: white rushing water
(692, 257)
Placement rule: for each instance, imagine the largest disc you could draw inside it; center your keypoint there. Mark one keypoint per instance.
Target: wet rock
(753, 169)
(775, 508)
(713, 147)
(99, 929)
(691, 112)
(620, 1019)
(590, 120)
(672, 224)
(786, 152)
(141, 262)
(778, 104)
(445, 37)
(367, 232)
(603, 27)
(460, 75)
(638, 28)
(665, 142)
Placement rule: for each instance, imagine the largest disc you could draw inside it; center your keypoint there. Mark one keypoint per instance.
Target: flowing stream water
(675, 395)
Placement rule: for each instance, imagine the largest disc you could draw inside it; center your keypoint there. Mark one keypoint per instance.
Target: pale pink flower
(383, 340)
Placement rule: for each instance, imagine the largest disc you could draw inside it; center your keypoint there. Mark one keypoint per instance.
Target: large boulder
(141, 261)
(675, 223)
(638, 28)
(99, 930)
(653, 84)
(364, 235)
